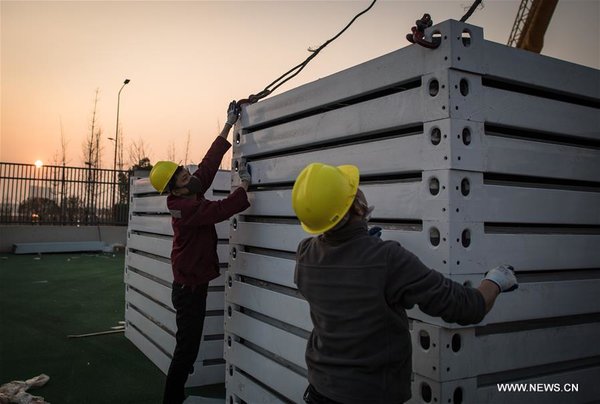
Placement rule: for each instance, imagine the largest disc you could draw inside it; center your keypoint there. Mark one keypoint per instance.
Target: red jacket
(194, 255)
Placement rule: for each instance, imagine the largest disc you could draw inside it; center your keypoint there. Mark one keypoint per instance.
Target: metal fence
(59, 195)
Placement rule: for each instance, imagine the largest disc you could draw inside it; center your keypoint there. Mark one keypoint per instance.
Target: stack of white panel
(149, 314)
(474, 154)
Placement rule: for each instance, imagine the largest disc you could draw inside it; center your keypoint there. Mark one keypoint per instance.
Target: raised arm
(233, 113)
(410, 282)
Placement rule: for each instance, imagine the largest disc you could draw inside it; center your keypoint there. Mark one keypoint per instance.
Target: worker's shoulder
(185, 206)
(393, 248)
(372, 245)
(175, 202)
(172, 201)
(304, 243)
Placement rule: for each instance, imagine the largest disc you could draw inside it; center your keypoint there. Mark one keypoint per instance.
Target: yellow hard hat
(161, 174)
(323, 194)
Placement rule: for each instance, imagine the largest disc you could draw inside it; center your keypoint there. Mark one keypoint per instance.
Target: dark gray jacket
(358, 288)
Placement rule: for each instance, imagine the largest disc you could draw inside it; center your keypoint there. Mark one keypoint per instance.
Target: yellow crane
(533, 18)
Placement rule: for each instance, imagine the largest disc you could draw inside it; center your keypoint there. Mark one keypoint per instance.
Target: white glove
(233, 112)
(504, 277)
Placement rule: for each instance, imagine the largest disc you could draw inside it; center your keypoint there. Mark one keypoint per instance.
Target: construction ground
(43, 300)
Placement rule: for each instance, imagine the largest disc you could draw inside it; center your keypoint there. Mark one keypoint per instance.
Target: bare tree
(138, 151)
(91, 155)
(91, 145)
(99, 148)
(120, 151)
(187, 149)
(60, 159)
(171, 151)
(60, 156)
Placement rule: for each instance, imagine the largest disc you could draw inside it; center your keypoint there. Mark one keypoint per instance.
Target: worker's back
(358, 287)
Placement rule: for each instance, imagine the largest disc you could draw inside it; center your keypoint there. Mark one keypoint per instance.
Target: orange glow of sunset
(186, 61)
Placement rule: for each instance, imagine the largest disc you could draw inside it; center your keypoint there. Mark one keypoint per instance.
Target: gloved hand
(375, 231)
(233, 113)
(504, 277)
(244, 173)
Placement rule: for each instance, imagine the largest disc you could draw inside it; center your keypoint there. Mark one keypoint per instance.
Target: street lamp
(117, 127)
(112, 139)
(116, 140)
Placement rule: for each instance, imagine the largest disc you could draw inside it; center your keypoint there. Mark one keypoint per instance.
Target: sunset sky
(186, 60)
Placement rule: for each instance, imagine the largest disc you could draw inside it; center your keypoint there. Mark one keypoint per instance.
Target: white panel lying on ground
(474, 154)
(149, 315)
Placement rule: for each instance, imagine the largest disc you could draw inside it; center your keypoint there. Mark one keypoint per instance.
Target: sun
(38, 163)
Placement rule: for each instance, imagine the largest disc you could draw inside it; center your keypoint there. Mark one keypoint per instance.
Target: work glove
(233, 113)
(375, 231)
(504, 277)
(244, 173)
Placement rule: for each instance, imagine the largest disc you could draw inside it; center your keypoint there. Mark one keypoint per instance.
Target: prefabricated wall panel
(474, 155)
(149, 314)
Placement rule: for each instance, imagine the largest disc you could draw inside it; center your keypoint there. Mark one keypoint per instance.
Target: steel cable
(298, 68)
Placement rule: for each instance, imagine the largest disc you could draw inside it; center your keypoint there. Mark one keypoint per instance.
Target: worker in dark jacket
(359, 287)
(194, 255)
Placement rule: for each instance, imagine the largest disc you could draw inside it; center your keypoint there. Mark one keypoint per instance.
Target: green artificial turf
(45, 298)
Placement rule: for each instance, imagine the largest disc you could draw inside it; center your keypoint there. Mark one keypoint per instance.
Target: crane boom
(531, 22)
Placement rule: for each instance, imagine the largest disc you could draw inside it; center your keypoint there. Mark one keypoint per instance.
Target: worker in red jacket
(194, 255)
(359, 287)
